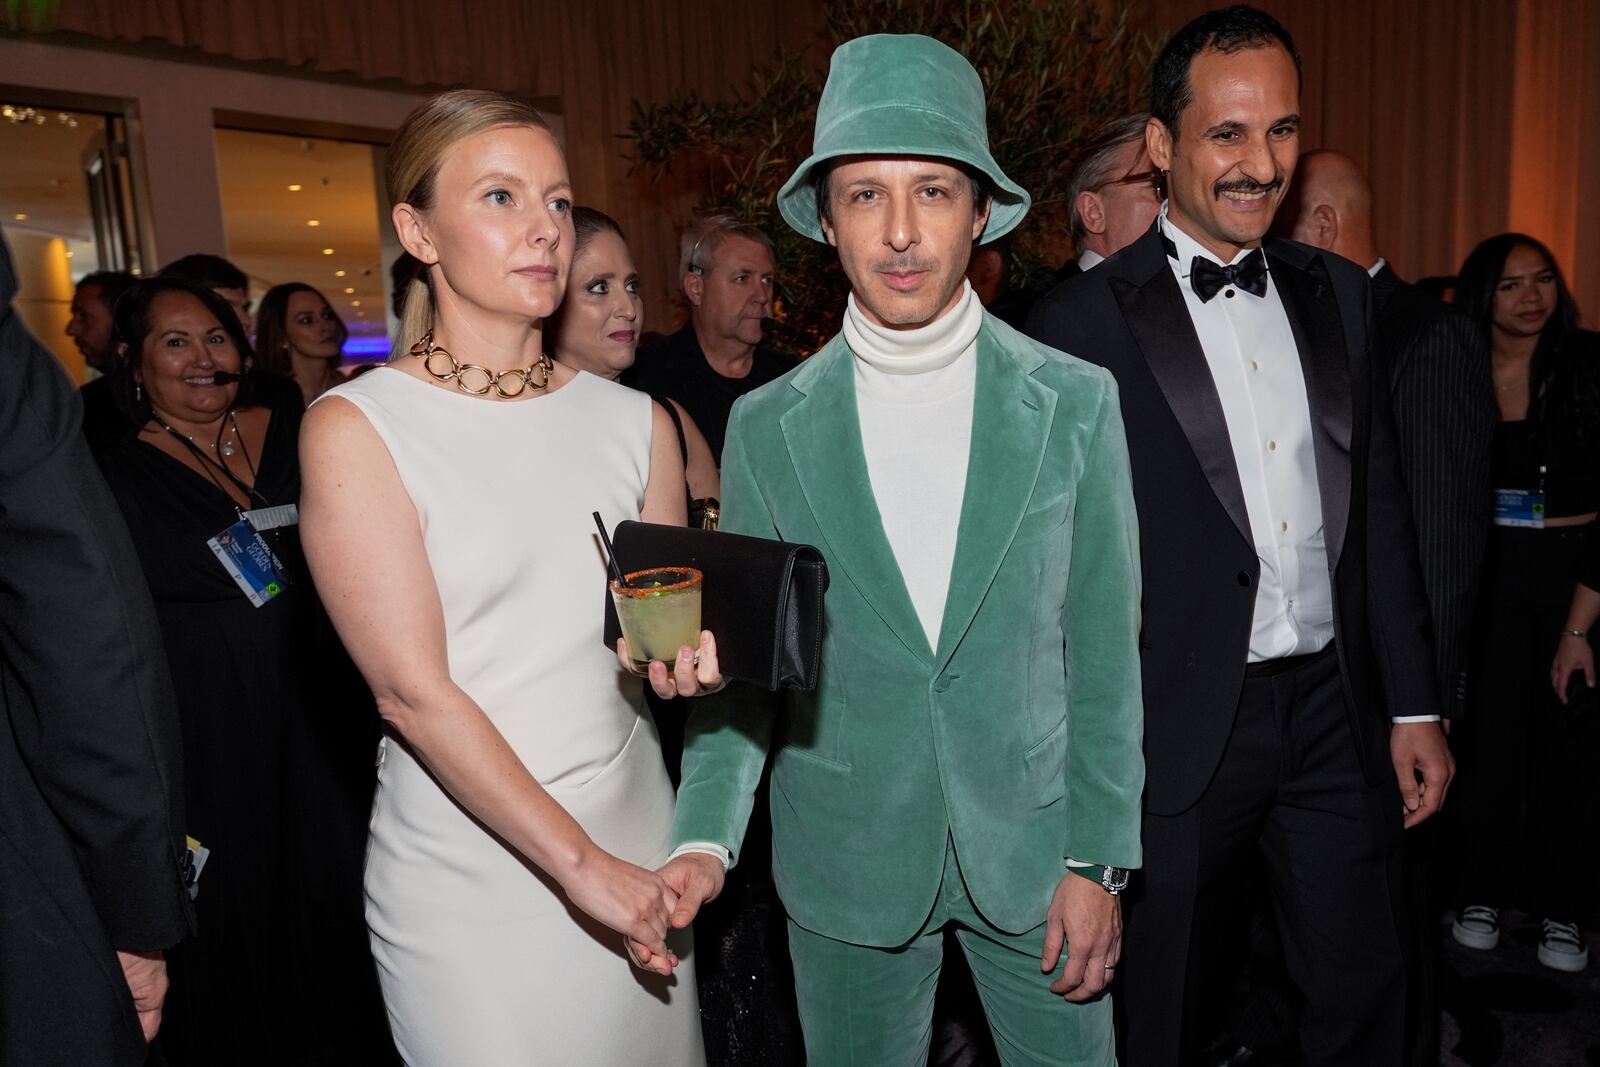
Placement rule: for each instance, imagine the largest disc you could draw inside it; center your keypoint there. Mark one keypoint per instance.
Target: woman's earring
(138, 390)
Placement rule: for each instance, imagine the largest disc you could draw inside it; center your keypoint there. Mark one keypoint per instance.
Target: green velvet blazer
(1018, 739)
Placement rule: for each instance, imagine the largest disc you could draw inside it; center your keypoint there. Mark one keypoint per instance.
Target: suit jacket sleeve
(1443, 419)
(1105, 710)
(727, 735)
(91, 704)
(1397, 607)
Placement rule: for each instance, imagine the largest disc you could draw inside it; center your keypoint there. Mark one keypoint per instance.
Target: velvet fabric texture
(901, 95)
(1019, 737)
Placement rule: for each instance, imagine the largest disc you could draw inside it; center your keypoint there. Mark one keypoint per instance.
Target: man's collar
(1184, 248)
(1089, 258)
(1372, 271)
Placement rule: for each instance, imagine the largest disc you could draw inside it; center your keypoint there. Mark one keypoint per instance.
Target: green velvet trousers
(873, 1007)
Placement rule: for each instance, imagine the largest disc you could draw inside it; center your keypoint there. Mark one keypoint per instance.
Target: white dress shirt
(1089, 258)
(1255, 365)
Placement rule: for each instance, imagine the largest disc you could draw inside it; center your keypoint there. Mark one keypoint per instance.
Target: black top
(1561, 435)
(1570, 478)
(675, 366)
(278, 738)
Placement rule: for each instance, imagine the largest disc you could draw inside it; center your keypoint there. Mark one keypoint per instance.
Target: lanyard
(208, 465)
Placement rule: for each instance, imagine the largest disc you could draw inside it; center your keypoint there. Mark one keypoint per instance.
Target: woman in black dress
(277, 757)
(1525, 759)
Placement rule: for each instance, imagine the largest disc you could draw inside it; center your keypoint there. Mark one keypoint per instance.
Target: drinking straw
(611, 553)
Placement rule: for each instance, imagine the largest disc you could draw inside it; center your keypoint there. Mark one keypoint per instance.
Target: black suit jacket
(1199, 561)
(90, 830)
(1442, 392)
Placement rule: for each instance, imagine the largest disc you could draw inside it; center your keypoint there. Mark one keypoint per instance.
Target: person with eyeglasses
(1114, 195)
(717, 356)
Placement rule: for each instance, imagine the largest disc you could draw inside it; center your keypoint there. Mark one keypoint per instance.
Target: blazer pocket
(1055, 733)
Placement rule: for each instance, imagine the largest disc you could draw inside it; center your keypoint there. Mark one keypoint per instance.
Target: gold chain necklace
(479, 380)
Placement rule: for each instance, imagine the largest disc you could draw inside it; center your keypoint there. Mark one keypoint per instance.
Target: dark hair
(272, 330)
(1561, 394)
(212, 272)
(1230, 30)
(587, 223)
(132, 320)
(821, 178)
(111, 283)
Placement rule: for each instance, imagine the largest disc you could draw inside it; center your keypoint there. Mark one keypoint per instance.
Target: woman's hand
(1572, 654)
(636, 903)
(685, 678)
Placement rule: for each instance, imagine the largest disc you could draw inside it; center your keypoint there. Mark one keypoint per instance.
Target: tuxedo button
(942, 685)
(1242, 578)
(1228, 293)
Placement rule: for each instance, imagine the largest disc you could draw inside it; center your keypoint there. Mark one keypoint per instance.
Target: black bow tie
(1209, 278)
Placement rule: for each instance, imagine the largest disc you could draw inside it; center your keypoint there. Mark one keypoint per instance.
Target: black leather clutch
(761, 599)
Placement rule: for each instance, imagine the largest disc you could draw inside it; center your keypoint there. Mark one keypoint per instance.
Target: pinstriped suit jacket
(1444, 413)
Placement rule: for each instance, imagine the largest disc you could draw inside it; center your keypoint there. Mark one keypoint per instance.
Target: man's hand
(687, 676)
(146, 975)
(697, 879)
(1089, 921)
(1419, 751)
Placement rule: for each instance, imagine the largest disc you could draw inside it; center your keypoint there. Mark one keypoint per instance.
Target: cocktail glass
(659, 610)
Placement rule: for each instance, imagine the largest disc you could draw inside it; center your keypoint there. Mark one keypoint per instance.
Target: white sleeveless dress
(483, 961)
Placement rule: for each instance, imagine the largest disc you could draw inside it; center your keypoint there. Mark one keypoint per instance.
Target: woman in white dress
(522, 807)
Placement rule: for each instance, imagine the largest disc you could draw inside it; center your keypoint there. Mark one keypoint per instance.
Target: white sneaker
(1477, 926)
(1561, 947)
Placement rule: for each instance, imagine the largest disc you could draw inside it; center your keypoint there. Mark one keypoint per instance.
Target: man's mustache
(1247, 185)
(904, 265)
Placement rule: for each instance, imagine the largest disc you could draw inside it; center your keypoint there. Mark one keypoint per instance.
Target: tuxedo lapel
(823, 435)
(1156, 315)
(1307, 295)
(1011, 418)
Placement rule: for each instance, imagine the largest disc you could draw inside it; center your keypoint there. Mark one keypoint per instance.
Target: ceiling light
(313, 222)
(355, 303)
(348, 291)
(22, 216)
(294, 188)
(327, 251)
(338, 274)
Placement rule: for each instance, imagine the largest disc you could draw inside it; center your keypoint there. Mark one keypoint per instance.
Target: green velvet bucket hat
(901, 95)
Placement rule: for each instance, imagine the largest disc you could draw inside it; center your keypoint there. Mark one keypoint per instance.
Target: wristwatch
(1112, 879)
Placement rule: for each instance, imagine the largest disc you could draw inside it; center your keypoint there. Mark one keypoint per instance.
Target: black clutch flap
(762, 600)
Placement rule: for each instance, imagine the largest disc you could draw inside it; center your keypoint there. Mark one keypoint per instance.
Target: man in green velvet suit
(971, 755)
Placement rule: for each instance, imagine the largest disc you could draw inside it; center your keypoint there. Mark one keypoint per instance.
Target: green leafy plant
(1054, 70)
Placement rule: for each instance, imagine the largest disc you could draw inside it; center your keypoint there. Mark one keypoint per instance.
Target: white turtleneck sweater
(914, 393)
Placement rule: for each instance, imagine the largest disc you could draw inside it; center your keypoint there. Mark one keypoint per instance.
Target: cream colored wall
(175, 105)
(44, 301)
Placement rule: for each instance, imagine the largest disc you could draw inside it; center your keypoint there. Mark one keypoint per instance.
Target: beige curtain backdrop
(1471, 116)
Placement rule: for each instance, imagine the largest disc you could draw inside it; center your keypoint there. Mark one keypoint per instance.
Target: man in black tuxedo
(90, 790)
(1284, 616)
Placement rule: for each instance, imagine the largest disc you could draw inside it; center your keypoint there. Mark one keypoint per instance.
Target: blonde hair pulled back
(412, 170)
